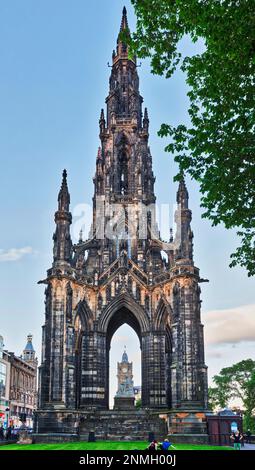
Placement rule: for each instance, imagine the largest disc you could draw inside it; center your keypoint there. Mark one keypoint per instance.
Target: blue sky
(53, 83)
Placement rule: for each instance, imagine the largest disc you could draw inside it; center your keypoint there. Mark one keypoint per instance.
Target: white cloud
(15, 254)
(232, 325)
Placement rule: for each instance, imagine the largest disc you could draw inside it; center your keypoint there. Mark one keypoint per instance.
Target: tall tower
(119, 276)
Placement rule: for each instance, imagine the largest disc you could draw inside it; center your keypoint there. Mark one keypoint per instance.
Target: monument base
(124, 403)
(112, 425)
(188, 426)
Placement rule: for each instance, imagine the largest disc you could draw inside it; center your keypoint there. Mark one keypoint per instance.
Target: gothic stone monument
(125, 397)
(95, 286)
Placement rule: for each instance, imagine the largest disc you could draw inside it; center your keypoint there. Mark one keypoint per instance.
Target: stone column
(194, 383)
(93, 370)
(154, 370)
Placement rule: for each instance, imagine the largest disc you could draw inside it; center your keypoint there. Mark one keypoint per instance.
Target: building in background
(4, 385)
(21, 384)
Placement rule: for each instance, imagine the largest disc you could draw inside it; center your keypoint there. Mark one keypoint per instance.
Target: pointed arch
(123, 309)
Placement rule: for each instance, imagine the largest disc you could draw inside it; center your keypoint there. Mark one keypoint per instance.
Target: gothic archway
(122, 310)
(93, 341)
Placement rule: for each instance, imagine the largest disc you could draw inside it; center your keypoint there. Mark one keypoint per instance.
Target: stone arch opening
(92, 345)
(124, 339)
(119, 318)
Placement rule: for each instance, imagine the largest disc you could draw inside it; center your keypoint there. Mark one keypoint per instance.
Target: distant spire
(124, 355)
(80, 236)
(64, 196)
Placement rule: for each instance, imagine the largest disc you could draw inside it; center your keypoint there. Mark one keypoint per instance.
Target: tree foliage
(237, 381)
(217, 148)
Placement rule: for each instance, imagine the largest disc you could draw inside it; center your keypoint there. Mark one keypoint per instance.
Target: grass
(105, 445)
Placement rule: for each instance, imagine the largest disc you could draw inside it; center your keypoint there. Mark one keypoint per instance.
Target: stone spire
(184, 234)
(62, 240)
(122, 48)
(124, 21)
(146, 120)
(102, 122)
(182, 197)
(64, 196)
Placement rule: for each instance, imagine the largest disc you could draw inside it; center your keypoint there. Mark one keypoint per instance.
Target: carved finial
(102, 115)
(80, 236)
(146, 120)
(102, 122)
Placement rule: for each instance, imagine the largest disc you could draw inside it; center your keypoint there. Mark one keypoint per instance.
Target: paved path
(248, 447)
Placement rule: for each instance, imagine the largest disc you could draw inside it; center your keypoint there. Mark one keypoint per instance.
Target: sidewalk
(248, 447)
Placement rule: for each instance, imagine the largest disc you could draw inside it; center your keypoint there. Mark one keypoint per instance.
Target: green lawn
(103, 445)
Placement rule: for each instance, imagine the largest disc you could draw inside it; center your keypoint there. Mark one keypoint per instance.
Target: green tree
(237, 381)
(217, 398)
(138, 403)
(217, 148)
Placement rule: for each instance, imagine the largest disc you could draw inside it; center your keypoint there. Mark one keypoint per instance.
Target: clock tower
(124, 397)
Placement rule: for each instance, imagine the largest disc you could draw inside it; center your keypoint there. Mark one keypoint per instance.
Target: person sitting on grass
(153, 446)
(165, 445)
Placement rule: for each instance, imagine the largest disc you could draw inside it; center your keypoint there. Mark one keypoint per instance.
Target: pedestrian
(8, 434)
(237, 437)
(248, 436)
(1, 433)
